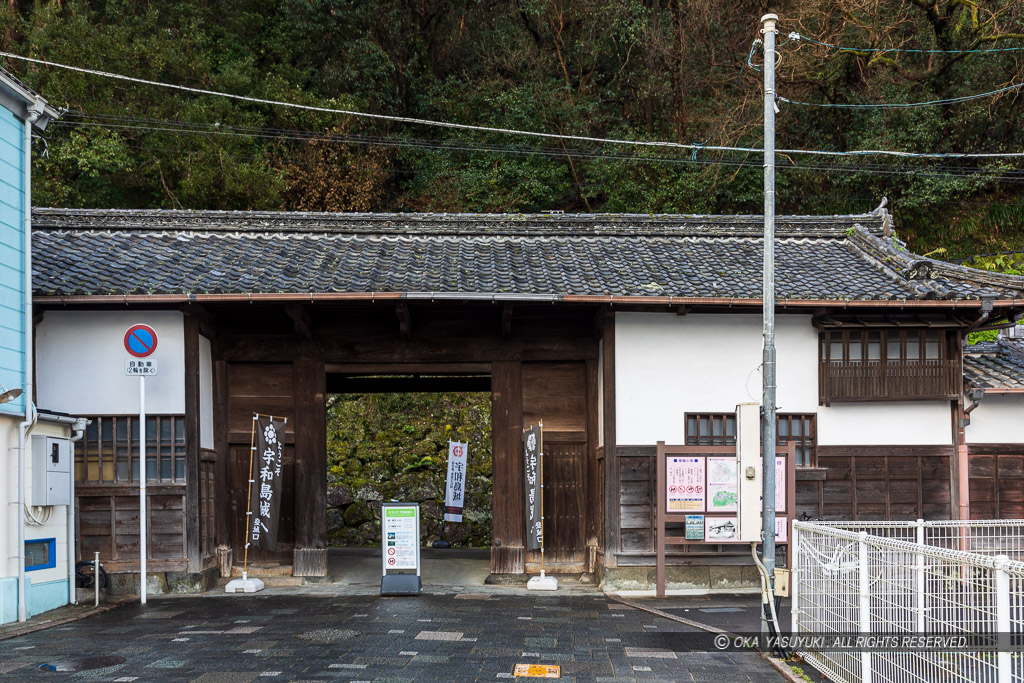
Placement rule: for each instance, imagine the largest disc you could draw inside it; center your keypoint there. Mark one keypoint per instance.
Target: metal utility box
(51, 470)
(748, 447)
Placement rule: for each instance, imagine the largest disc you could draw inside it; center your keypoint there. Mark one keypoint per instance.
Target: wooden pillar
(310, 386)
(223, 506)
(611, 465)
(593, 491)
(509, 527)
(192, 483)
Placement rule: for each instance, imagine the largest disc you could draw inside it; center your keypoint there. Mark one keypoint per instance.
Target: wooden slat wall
(881, 482)
(108, 522)
(996, 474)
(207, 501)
(635, 475)
(266, 388)
(557, 394)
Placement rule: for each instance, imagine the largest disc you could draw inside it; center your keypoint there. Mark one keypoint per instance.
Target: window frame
(109, 451)
(51, 562)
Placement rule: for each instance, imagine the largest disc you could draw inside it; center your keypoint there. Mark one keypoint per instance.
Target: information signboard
(685, 481)
(400, 548)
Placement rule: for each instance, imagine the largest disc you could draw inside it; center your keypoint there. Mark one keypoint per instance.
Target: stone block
(727, 577)
(682, 578)
(627, 578)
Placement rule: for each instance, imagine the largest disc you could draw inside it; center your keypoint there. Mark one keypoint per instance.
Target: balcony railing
(889, 381)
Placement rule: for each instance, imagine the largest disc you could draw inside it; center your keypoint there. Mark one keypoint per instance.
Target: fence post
(920, 576)
(865, 604)
(794, 581)
(1002, 577)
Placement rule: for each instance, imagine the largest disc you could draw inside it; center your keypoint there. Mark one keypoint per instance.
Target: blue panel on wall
(8, 600)
(43, 597)
(12, 258)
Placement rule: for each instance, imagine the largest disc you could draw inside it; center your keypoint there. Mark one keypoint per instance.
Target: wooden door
(556, 394)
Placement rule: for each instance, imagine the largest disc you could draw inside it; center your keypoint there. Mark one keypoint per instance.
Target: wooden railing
(889, 381)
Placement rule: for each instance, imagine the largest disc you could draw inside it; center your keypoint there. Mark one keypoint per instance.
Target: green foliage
(597, 68)
(395, 447)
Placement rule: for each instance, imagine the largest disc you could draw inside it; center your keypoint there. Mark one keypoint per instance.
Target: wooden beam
(508, 525)
(611, 465)
(310, 554)
(338, 349)
(506, 320)
(222, 498)
(207, 319)
(593, 475)
(404, 321)
(192, 484)
(301, 319)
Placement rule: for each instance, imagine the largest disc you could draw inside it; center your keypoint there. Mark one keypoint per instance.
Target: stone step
(269, 581)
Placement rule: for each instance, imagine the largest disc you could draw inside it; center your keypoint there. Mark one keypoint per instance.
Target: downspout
(963, 493)
(34, 112)
(79, 429)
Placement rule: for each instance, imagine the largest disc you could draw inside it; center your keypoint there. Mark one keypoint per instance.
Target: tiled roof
(995, 365)
(118, 252)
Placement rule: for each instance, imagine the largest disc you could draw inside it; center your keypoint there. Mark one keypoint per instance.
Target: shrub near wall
(383, 447)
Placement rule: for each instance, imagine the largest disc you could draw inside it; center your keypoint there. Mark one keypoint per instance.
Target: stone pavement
(284, 635)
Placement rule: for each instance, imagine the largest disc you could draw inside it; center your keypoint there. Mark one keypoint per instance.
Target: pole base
(243, 586)
(542, 583)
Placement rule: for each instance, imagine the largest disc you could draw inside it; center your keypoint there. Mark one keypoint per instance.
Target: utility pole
(768, 362)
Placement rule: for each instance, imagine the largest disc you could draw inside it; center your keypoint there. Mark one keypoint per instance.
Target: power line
(794, 36)
(510, 131)
(157, 126)
(906, 105)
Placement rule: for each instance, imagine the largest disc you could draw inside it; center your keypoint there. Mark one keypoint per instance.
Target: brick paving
(302, 636)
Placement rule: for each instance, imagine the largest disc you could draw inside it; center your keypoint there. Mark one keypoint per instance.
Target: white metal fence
(962, 577)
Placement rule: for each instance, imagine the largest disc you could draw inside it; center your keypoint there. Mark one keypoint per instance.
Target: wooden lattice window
(888, 364)
(109, 453)
(803, 431)
(703, 429)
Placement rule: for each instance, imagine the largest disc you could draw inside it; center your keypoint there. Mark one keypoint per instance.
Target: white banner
(458, 456)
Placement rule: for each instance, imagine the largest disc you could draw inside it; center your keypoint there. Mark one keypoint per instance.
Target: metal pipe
(96, 578)
(142, 488)
(79, 432)
(768, 308)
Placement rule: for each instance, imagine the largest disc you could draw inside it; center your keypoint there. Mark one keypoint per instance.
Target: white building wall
(997, 419)
(80, 358)
(667, 365)
(54, 517)
(205, 393)
(8, 493)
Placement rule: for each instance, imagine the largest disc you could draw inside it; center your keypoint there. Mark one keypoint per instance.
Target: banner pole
(248, 498)
(540, 427)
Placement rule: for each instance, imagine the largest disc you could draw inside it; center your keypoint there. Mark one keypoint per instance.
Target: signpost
(140, 342)
(400, 548)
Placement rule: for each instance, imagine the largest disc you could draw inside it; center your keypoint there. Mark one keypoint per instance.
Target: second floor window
(888, 364)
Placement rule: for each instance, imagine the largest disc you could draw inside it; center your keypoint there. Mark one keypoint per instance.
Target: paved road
(276, 636)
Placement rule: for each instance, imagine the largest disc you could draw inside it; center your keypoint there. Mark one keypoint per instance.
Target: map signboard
(722, 486)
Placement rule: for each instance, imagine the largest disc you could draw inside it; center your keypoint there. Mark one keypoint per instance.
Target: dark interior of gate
(540, 362)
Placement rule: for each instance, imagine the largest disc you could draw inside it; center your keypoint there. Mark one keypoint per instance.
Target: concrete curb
(14, 632)
(783, 668)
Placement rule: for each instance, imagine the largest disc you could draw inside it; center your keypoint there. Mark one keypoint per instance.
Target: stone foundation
(163, 583)
(708, 577)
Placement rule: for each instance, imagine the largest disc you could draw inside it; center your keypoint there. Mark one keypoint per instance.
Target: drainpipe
(34, 112)
(79, 429)
(962, 455)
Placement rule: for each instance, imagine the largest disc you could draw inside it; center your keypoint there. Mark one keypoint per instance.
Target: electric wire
(511, 131)
(794, 36)
(905, 105)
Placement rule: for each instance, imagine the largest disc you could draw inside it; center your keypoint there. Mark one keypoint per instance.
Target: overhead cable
(797, 37)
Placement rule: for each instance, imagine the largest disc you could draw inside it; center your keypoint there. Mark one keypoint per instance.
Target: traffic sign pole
(142, 487)
(140, 342)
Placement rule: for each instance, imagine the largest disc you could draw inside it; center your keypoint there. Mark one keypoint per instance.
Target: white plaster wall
(997, 419)
(667, 365)
(205, 393)
(56, 525)
(80, 359)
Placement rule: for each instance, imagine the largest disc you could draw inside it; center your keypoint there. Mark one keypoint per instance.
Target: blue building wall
(12, 259)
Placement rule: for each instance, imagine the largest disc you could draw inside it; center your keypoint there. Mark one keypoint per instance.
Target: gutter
(312, 297)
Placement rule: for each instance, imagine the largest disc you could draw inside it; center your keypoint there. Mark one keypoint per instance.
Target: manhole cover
(328, 635)
(713, 610)
(82, 664)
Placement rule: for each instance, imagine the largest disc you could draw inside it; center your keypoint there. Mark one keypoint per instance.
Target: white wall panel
(205, 393)
(80, 363)
(997, 419)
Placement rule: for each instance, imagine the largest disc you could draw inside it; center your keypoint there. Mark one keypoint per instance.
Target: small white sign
(140, 367)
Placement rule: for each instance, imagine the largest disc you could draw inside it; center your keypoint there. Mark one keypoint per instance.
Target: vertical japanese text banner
(531, 451)
(266, 489)
(455, 495)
